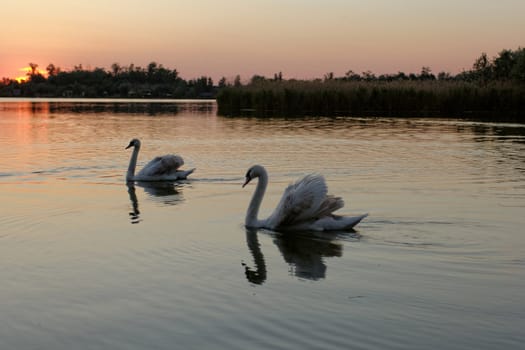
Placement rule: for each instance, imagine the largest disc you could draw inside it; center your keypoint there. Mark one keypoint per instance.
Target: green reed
(495, 100)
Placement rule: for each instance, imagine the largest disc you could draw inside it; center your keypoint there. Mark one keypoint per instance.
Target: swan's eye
(248, 174)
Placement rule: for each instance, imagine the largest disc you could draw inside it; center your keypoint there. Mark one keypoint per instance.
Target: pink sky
(300, 38)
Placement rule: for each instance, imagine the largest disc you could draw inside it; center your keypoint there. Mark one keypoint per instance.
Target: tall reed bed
(496, 100)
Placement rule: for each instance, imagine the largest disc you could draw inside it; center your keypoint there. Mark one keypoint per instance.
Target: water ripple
(440, 256)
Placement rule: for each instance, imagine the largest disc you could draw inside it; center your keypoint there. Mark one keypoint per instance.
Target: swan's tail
(336, 222)
(183, 174)
(351, 221)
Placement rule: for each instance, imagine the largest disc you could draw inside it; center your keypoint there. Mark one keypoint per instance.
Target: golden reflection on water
(23, 128)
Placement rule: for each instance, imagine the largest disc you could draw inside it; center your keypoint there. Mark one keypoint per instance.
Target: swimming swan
(162, 168)
(305, 205)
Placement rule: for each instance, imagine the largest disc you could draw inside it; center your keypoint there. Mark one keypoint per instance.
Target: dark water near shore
(88, 262)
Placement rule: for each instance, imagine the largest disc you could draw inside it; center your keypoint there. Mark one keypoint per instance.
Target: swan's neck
(255, 203)
(132, 163)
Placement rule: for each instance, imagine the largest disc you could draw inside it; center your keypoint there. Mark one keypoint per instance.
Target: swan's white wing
(304, 200)
(162, 165)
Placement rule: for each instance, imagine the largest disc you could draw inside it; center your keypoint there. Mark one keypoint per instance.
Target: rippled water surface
(88, 262)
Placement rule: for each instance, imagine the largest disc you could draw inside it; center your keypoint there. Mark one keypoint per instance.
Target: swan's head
(253, 172)
(134, 143)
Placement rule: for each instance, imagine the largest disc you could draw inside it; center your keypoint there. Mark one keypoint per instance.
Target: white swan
(305, 205)
(162, 168)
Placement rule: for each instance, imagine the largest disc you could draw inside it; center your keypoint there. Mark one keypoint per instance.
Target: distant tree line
(153, 81)
(492, 88)
(508, 65)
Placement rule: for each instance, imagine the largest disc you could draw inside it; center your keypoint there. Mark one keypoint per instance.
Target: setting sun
(28, 71)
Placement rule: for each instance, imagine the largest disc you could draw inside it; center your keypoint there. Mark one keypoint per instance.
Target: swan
(162, 168)
(305, 205)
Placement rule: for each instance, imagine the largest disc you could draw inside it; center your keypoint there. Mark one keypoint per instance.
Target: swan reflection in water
(168, 193)
(304, 253)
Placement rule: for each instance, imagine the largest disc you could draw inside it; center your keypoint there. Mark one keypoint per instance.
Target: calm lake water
(90, 263)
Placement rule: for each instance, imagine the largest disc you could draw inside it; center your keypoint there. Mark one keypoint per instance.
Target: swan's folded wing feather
(301, 201)
(329, 205)
(172, 162)
(162, 165)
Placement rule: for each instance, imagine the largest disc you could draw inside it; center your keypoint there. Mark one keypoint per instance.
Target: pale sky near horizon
(300, 38)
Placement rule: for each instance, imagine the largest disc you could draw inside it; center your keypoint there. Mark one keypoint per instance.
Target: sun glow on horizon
(28, 70)
(301, 39)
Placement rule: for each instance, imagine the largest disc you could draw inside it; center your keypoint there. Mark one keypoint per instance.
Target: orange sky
(301, 38)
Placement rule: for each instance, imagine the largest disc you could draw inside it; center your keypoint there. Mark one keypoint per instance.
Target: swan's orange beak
(248, 179)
